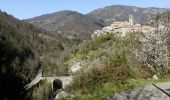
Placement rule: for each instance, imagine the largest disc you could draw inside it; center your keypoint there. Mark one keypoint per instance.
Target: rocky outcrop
(63, 95)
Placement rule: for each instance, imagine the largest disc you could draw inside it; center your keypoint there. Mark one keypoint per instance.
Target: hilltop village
(122, 28)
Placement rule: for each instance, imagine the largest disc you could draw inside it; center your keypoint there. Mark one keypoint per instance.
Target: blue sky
(23, 9)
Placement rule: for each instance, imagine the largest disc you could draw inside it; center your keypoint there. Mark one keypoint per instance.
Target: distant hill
(120, 13)
(164, 18)
(75, 27)
(68, 23)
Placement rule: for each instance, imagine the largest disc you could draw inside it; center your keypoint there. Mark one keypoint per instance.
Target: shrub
(43, 91)
(100, 74)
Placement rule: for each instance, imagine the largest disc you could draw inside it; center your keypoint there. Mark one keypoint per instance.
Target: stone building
(122, 28)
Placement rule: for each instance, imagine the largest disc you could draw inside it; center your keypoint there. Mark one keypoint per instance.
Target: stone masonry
(122, 28)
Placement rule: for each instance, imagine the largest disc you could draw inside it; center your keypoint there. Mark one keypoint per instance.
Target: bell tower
(131, 20)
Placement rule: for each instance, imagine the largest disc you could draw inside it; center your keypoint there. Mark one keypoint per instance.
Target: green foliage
(14, 57)
(22, 46)
(101, 74)
(43, 91)
(101, 92)
(116, 65)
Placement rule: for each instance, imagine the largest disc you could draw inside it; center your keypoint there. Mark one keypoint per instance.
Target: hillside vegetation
(109, 67)
(22, 47)
(111, 63)
(71, 25)
(121, 12)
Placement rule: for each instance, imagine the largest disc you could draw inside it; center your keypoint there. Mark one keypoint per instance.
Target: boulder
(63, 95)
(155, 77)
(76, 67)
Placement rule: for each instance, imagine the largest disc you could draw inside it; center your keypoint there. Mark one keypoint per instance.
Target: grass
(99, 93)
(42, 92)
(109, 89)
(117, 69)
(22, 47)
(142, 82)
(106, 77)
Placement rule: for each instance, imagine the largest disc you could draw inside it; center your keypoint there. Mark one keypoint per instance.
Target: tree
(154, 51)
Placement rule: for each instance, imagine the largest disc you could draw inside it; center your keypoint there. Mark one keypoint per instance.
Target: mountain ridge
(76, 26)
(70, 24)
(121, 12)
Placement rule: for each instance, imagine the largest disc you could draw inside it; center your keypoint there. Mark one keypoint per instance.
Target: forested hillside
(22, 47)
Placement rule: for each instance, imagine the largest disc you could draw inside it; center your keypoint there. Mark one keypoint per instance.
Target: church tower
(131, 20)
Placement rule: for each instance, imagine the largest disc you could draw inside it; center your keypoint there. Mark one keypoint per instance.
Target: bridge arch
(56, 85)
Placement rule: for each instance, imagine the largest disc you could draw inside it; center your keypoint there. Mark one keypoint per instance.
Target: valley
(114, 53)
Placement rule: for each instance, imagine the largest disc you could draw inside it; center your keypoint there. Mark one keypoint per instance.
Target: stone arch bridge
(66, 80)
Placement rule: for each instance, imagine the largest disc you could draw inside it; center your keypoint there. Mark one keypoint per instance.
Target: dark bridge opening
(57, 84)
